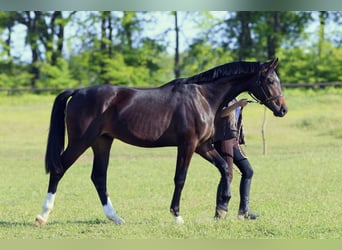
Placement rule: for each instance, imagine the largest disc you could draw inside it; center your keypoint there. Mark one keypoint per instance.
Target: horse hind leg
(47, 207)
(101, 150)
(49, 200)
(69, 156)
(223, 190)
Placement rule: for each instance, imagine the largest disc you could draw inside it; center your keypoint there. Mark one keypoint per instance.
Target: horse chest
(199, 121)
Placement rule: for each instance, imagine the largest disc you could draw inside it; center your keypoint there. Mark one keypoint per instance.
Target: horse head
(267, 89)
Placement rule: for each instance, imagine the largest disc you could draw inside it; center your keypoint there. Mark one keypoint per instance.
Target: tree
(46, 29)
(258, 35)
(176, 65)
(31, 19)
(237, 29)
(7, 22)
(106, 43)
(118, 53)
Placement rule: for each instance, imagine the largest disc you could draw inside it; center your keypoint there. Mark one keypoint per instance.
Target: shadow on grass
(11, 224)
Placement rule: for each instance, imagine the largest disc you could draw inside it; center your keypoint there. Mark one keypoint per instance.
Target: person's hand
(243, 102)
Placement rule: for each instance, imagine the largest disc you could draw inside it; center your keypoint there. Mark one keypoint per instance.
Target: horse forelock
(226, 70)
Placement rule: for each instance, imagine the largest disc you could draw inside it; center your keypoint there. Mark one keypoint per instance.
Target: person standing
(227, 140)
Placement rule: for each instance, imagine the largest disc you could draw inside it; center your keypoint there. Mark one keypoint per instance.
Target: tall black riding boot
(244, 210)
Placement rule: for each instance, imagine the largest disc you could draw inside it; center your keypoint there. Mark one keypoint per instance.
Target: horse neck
(226, 89)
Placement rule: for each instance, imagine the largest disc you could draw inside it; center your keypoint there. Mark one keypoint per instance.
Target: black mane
(226, 70)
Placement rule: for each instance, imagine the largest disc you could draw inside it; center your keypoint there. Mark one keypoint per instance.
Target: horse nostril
(283, 111)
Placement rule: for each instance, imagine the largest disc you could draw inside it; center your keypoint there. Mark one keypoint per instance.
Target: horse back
(150, 117)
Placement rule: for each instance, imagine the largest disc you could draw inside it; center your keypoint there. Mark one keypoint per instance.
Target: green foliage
(14, 76)
(83, 69)
(112, 47)
(57, 76)
(302, 65)
(22, 79)
(202, 56)
(121, 74)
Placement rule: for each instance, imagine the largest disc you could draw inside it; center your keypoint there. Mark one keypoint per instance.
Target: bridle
(264, 91)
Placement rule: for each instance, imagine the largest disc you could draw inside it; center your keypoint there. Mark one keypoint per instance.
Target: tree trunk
(8, 43)
(56, 53)
(273, 40)
(110, 35)
(244, 39)
(322, 17)
(103, 47)
(176, 65)
(32, 37)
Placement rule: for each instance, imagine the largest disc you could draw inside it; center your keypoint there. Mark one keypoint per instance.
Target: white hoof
(111, 214)
(40, 220)
(117, 220)
(179, 220)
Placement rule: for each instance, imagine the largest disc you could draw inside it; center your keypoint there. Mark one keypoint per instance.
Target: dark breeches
(241, 161)
(231, 152)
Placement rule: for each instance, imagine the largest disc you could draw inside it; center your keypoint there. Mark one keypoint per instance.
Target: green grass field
(296, 188)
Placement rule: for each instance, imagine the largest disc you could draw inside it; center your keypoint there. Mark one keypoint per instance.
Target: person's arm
(242, 103)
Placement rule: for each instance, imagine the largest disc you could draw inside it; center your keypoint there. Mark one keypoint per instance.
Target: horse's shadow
(11, 224)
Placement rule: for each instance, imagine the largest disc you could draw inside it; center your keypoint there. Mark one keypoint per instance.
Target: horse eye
(270, 81)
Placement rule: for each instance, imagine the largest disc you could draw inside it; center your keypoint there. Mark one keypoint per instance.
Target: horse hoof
(248, 215)
(179, 220)
(220, 214)
(40, 221)
(118, 221)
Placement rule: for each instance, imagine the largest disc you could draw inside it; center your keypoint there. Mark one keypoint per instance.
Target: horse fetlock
(176, 216)
(40, 220)
(179, 220)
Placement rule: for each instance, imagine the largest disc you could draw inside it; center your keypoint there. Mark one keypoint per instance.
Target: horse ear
(268, 65)
(274, 63)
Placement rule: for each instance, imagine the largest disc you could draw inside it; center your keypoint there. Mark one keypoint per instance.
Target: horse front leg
(184, 155)
(101, 149)
(223, 190)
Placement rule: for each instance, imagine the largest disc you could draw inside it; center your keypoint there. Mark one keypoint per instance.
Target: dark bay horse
(180, 113)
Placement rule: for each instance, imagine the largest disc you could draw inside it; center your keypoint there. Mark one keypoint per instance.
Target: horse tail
(55, 143)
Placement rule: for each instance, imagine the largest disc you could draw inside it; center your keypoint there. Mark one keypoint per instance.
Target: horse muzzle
(282, 111)
(279, 107)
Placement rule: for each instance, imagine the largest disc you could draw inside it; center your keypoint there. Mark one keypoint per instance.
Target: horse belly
(143, 135)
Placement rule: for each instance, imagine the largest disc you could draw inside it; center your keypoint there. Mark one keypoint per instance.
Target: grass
(296, 188)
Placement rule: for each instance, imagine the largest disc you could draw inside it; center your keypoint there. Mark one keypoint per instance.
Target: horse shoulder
(195, 115)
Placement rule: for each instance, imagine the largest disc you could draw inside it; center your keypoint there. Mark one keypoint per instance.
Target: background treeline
(74, 49)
